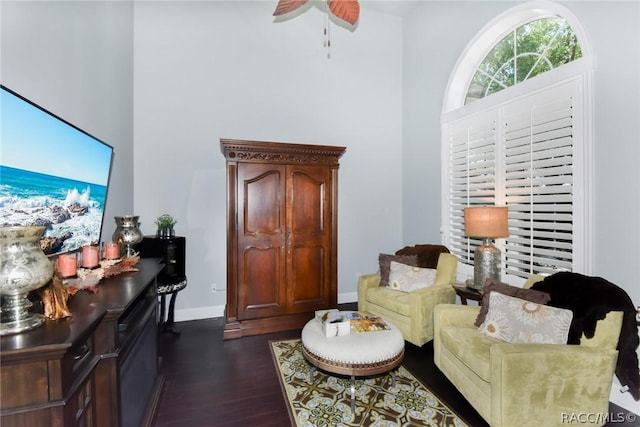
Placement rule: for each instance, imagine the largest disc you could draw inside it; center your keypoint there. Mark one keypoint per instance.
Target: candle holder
(67, 265)
(111, 250)
(90, 257)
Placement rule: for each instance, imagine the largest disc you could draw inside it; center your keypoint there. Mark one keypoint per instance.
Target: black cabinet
(173, 252)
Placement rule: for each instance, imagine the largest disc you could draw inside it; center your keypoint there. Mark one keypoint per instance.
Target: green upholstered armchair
(411, 312)
(527, 384)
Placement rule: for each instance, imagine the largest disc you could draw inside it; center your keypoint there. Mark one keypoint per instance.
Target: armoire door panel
(308, 288)
(308, 196)
(262, 201)
(260, 290)
(309, 217)
(261, 224)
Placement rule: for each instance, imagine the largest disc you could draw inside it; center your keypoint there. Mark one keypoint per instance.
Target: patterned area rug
(327, 401)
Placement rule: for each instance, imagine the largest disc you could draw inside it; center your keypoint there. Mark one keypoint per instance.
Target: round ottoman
(358, 354)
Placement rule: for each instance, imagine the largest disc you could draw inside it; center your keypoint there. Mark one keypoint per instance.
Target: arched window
(529, 50)
(515, 133)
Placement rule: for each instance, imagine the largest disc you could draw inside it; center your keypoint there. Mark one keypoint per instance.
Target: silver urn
(23, 268)
(127, 233)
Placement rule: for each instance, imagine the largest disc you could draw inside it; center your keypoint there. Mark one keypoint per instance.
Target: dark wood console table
(97, 368)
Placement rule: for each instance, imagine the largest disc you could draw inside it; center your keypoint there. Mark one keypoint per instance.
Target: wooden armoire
(282, 224)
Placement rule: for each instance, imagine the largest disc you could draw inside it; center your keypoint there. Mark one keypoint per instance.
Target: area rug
(327, 401)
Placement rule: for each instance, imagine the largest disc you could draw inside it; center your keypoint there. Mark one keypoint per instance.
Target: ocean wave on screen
(75, 197)
(85, 229)
(77, 213)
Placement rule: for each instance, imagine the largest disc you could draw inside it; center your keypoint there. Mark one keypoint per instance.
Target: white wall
(211, 70)
(614, 31)
(435, 34)
(76, 60)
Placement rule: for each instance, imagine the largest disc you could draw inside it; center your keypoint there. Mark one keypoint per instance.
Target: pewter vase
(23, 268)
(127, 233)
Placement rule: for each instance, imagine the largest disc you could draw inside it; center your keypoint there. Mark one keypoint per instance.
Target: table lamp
(486, 223)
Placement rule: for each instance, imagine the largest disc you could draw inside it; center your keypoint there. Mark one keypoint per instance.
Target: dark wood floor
(212, 382)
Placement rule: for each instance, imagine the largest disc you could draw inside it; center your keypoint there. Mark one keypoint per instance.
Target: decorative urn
(127, 233)
(23, 268)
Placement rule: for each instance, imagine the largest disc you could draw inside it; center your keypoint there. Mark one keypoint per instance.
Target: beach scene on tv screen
(51, 174)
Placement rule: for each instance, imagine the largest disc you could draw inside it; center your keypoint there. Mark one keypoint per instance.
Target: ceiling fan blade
(347, 10)
(286, 6)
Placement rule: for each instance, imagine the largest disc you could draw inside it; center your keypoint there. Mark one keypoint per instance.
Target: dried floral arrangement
(55, 295)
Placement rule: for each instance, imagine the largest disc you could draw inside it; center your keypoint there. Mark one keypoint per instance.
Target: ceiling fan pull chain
(327, 34)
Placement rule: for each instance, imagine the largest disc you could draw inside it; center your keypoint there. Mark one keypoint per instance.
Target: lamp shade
(486, 221)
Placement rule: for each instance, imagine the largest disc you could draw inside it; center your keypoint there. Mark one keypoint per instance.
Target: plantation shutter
(520, 154)
(472, 175)
(537, 137)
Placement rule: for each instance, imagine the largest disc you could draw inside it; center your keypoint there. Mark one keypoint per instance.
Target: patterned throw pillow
(407, 278)
(519, 321)
(384, 260)
(490, 285)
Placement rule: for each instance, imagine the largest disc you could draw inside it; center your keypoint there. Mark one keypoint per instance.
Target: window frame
(579, 72)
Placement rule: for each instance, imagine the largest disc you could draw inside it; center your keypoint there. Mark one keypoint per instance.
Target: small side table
(465, 293)
(172, 288)
(172, 279)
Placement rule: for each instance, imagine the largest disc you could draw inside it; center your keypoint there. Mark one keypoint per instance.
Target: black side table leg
(162, 307)
(168, 326)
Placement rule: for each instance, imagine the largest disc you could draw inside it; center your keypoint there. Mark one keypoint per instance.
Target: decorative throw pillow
(490, 285)
(407, 278)
(385, 260)
(516, 320)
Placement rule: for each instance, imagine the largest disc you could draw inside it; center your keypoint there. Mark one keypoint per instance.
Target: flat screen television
(52, 174)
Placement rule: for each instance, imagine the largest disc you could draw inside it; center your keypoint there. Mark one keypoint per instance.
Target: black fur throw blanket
(590, 299)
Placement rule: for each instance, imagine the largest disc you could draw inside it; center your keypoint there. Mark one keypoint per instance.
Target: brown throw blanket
(590, 299)
(428, 254)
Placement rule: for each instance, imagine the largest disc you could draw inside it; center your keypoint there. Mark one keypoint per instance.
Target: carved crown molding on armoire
(282, 222)
(278, 152)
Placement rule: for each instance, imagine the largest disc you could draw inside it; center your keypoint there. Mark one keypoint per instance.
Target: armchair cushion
(471, 348)
(392, 300)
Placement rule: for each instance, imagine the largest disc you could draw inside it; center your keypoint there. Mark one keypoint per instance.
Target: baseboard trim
(209, 312)
(623, 400)
(186, 314)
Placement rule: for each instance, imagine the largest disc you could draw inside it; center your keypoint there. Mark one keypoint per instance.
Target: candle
(67, 265)
(90, 256)
(111, 250)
